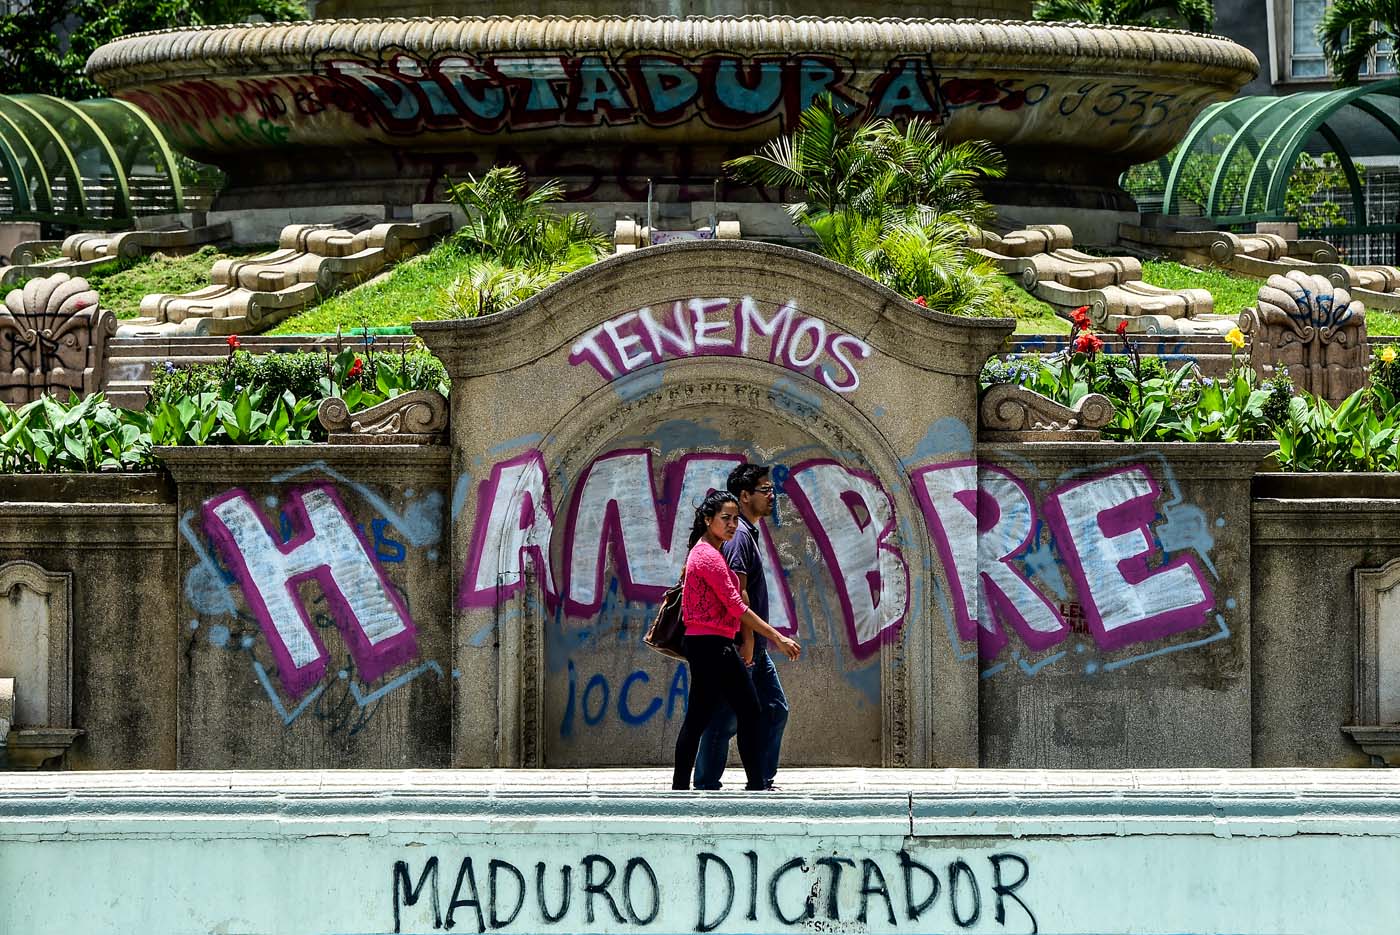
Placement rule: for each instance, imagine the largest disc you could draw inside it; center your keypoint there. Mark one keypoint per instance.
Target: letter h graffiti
(324, 547)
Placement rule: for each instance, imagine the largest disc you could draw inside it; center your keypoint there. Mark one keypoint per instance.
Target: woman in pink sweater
(713, 611)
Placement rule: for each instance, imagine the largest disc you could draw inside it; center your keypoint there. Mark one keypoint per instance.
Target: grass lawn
(122, 288)
(411, 292)
(1032, 315)
(1384, 324)
(1232, 293)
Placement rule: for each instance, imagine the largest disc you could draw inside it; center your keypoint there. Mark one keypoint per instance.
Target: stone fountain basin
(611, 101)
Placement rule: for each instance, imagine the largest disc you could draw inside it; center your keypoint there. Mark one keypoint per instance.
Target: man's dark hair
(745, 478)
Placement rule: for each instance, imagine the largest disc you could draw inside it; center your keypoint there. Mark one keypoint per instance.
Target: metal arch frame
(1277, 188)
(118, 172)
(162, 145)
(1207, 117)
(39, 166)
(1293, 147)
(1283, 146)
(1241, 138)
(1223, 110)
(1261, 177)
(1358, 192)
(18, 180)
(63, 148)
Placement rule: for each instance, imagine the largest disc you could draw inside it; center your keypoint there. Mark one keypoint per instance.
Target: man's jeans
(714, 745)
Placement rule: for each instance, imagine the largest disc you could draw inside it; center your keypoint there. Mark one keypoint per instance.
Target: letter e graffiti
(325, 547)
(1103, 527)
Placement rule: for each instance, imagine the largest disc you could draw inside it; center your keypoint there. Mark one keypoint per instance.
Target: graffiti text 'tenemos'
(727, 328)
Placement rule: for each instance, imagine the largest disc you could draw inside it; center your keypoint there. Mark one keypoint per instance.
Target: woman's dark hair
(706, 511)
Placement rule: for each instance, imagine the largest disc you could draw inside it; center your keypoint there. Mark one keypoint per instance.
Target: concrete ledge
(977, 802)
(87, 525)
(1258, 852)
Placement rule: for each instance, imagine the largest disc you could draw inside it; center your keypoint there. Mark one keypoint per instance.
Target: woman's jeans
(717, 676)
(772, 706)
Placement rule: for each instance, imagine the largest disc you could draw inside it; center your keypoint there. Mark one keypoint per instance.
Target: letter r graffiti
(962, 504)
(325, 547)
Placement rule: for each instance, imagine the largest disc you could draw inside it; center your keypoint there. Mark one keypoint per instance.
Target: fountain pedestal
(379, 111)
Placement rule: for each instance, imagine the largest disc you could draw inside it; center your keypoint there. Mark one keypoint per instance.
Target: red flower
(355, 369)
(232, 341)
(1080, 317)
(1123, 328)
(921, 301)
(1088, 343)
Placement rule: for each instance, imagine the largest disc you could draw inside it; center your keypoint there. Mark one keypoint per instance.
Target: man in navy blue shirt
(751, 484)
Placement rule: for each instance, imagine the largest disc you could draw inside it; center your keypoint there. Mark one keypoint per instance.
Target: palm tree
(1352, 29)
(516, 228)
(892, 201)
(839, 164)
(1162, 14)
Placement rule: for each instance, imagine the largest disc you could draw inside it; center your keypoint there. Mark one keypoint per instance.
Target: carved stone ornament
(1314, 329)
(1010, 412)
(415, 418)
(53, 339)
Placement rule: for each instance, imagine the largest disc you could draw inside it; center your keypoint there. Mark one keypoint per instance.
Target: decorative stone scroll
(415, 418)
(53, 339)
(1041, 258)
(311, 262)
(1009, 412)
(1314, 329)
(1377, 715)
(35, 627)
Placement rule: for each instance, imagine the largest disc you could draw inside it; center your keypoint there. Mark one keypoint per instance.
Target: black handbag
(668, 629)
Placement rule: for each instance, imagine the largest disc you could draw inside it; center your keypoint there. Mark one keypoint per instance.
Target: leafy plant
(44, 44)
(892, 201)
(90, 434)
(516, 228)
(1358, 435)
(1351, 30)
(1154, 404)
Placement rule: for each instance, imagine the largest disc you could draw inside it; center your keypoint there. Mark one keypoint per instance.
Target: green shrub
(48, 436)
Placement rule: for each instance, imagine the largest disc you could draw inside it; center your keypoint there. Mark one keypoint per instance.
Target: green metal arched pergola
(95, 164)
(1234, 164)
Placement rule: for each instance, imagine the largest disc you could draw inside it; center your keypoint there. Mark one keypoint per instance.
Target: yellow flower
(1388, 354)
(1236, 338)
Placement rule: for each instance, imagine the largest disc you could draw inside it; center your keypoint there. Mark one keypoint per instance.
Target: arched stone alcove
(586, 423)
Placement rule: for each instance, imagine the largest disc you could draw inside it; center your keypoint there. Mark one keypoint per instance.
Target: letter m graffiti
(325, 547)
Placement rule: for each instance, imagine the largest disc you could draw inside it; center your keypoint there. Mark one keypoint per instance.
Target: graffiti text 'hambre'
(723, 327)
(616, 511)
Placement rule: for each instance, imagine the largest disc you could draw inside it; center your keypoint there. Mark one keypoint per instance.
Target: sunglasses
(766, 490)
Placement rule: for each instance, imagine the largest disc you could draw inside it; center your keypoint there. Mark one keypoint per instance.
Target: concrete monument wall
(961, 602)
